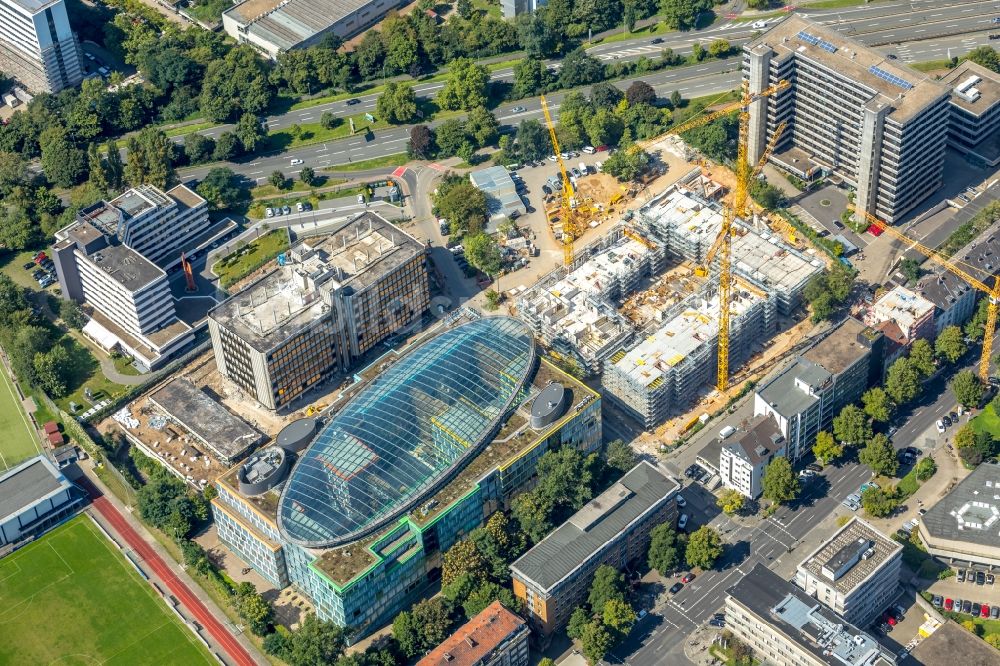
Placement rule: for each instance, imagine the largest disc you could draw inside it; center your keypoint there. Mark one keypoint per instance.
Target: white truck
(726, 432)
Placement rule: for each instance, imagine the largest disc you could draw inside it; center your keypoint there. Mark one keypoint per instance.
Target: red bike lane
(222, 636)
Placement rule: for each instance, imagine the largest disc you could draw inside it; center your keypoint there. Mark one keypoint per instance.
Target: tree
(877, 404)
(620, 456)
(779, 483)
(252, 608)
(579, 619)
(421, 144)
(968, 389)
(307, 176)
(606, 95)
(965, 437)
(664, 549)
(910, 268)
(328, 121)
(985, 56)
(235, 84)
(877, 503)
(719, 48)
(17, 231)
(64, 163)
(852, 425)
(198, 148)
(248, 130)
(97, 174)
(72, 314)
(277, 178)
(486, 594)
(640, 92)
(463, 558)
(150, 159)
(462, 204)
(433, 617)
(627, 164)
(766, 194)
(531, 77)
(482, 126)
(483, 252)
(704, 548)
(580, 69)
(227, 148)
(698, 51)
(826, 448)
(466, 86)
(596, 640)
(608, 584)
(926, 468)
(922, 357)
(618, 616)
(219, 188)
(880, 456)
(676, 99)
(407, 634)
(316, 642)
(532, 513)
(115, 167)
(532, 140)
(730, 501)
(492, 300)
(949, 344)
(451, 136)
(51, 370)
(902, 382)
(398, 104)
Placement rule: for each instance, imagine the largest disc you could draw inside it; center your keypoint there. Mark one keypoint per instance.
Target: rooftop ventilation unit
(967, 90)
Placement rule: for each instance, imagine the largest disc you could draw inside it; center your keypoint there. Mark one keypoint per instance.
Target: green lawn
(71, 598)
(17, 438)
(987, 421)
(249, 258)
(269, 190)
(398, 159)
(189, 128)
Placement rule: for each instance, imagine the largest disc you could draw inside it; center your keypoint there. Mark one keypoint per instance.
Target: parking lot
(970, 590)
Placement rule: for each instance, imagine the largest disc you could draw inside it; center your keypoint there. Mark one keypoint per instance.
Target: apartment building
(852, 113)
(855, 573)
(902, 316)
(975, 111)
(37, 45)
(495, 637)
(745, 455)
(127, 296)
(786, 627)
(415, 456)
(554, 577)
(668, 367)
(330, 300)
(805, 396)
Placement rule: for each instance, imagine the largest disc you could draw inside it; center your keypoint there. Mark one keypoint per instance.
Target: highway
(916, 31)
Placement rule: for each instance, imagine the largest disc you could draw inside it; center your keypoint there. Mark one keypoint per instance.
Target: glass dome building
(408, 433)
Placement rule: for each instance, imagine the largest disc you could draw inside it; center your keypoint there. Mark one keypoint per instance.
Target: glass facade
(422, 420)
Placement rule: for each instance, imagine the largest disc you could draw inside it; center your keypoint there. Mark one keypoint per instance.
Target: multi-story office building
(855, 573)
(35, 497)
(127, 295)
(513, 8)
(327, 303)
(37, 45)
(495, 637)
(975, 111)
(554, 577)
(418, 455)
(852, 113)
(786, 627)
(805, 396)
(962, 526)
(746, 455)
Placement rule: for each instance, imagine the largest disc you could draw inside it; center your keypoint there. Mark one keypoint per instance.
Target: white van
(726, 432)
(584, 170)
(590, 150)
(597, 166)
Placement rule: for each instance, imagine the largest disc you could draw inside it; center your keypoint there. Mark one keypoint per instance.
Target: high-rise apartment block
(855, 573)
(329, 301)
(852, 113)
(37, 45)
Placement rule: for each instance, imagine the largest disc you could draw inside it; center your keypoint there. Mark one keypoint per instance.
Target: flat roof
(971, 511)
(785, 391)
(501, 192)
(901, 306)
(186, 197)
(689, 325)
(849, 341)
(769, 261)
(987, 87)
(126, 266)
(295, 295)
(135, 201)
(840, 556)
(891, 83)
(953, 644)
(227, 436)
(600, 521)
(804, 622)
(476, 639)
(980, 258)
(35, 6)
(286, 23)
(28, 483)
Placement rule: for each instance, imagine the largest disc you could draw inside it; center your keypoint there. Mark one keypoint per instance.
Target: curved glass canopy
(409, 431)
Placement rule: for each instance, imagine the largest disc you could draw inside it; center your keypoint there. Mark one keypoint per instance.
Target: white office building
(37, 45)
(746, 455)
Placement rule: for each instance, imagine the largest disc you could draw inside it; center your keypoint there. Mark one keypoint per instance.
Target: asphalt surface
(911, 31)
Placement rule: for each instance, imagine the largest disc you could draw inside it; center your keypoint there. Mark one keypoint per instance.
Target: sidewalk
(112, 516)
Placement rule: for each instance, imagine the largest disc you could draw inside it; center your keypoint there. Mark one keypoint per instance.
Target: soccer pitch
(17, 440)
(72, 598)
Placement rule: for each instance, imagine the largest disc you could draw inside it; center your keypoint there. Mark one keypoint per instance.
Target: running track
(222, 636)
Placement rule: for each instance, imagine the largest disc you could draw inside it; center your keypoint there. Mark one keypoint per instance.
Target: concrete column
(760, 79)
(869, 156)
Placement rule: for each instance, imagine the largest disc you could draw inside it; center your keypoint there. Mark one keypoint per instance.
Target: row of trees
(606, 618)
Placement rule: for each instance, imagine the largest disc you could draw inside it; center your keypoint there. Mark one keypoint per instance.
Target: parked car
(940, 425)
(688, 577)
(980, 578)
(682, 521)
(994, 612)
(937, 601)
(299, 207)
(958, 605)
(296, 161)
(976, 608)
(990, 579)
(984, 611)
(813, 467)
(546, 189)
(28, 265)
(946, 420)
(960, 576)
(949, 604)
(717, 623)
(286, 210)
(676, 587)
(966, 606)
(681, 502)
(518, 109)
(953, 416)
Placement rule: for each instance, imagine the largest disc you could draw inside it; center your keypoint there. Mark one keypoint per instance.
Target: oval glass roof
(397, 440)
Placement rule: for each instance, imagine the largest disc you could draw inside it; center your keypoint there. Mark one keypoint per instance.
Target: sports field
(72, 598)
(17, 440)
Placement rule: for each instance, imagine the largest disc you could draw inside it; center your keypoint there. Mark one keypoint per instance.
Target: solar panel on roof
(806, 37)
(890, 77)
(827, 46)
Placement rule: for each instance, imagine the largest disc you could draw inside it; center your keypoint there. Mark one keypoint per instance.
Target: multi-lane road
(919, 30)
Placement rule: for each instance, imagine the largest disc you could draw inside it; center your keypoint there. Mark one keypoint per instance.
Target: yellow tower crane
(992, 293)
